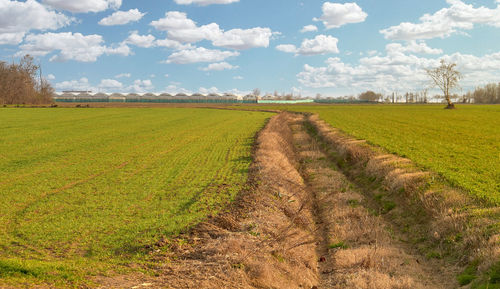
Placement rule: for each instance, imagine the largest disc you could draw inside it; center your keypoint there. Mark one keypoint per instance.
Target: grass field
(462, 145)
(85, 190)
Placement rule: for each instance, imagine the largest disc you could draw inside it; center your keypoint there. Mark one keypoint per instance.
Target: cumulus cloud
(84, 6)
(397, 70)
(205, 2)
(70, 46)
(110, 84)
(123, 75)
(80, 84)
(182, 29)
(51, 77)
(212, 89)
(122, 17)
(219, 66)
(309, 28)
(413, 47)
(173, 44)
(200, 54)
(17, 18)
(174, 89)
(144, 41)
(321, 44)
(140, 86)
(336, 15)
(243, 38)
(288, 48)
(445, 22)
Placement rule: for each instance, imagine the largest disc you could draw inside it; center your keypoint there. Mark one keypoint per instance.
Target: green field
(84, 191)
(462, 145)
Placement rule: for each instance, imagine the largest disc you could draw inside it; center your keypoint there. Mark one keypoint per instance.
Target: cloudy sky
(301, 46)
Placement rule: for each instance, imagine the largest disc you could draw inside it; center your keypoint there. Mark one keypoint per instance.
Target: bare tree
(446, 77)
(256, 92)
(19, 83)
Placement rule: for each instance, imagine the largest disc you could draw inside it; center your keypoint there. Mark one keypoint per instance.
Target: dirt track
(302, 223)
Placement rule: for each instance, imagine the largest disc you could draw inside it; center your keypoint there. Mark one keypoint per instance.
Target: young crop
(462, 145)
(85, 190)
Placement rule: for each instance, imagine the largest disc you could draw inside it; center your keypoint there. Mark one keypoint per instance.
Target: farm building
(84, 96)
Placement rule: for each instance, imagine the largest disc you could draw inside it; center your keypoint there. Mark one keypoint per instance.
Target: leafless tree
(446, 77)
(19, 83)
(256, 92)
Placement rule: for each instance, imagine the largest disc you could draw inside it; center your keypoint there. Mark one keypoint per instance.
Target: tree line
(489, 93)
(20, 83)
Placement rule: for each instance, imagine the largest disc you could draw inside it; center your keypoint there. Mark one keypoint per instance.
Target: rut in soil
(358, 247)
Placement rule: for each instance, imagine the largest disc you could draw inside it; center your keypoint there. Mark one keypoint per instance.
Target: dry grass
(305, 224)
(264, 240)
(361, 250)
(435, 211)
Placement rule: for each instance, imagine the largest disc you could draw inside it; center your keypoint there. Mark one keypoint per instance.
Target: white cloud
(238, 77)
(173, 44)
(398, 70)
(81, 84)
(120, 49)
(174, 89)
(288, 48)
(204, 2)
(166, 75)
(243, 38)
(182, 29)
(200, 54)
(336, 15)
(84, 6)
(413, 47)
(321, 44)
(445, 22)
(212, 89)
(144, 41)
(110, 84)
(309, 28)
(123, 75)
(11, 38)
(71, 46)
(17, 18)
(219, 66)
(51, 77)
(122, 17)
(141, 86)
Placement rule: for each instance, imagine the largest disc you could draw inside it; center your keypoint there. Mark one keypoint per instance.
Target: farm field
(84, 191)
(462, 145)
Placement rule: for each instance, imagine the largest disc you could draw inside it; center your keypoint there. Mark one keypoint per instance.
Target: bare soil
(308, 220)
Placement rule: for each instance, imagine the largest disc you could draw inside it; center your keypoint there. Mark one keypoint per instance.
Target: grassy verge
(461, 145)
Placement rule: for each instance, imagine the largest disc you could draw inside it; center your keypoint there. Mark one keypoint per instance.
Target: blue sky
(306, 46)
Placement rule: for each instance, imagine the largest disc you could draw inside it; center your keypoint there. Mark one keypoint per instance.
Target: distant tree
(446, 77)
(256, 92)
(318, 95)
(487, 94)
(370, 96)
(19, 83)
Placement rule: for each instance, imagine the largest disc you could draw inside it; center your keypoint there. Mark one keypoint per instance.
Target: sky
(305, 47)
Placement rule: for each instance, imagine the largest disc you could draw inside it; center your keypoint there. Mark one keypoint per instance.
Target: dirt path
(302, 223)
(360, 248)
